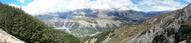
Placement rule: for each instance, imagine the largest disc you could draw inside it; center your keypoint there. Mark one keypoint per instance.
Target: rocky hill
(172, 27)
(25, 27)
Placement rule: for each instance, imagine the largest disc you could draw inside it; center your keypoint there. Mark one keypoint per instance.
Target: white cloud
(14, 5)
(46, 6)
(160, 5)
(21, 1)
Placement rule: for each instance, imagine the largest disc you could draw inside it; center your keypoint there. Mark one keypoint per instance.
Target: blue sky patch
(183, 1)
(135, 1)
(16, 2)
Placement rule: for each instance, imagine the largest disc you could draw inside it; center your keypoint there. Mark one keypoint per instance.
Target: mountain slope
(29, 29)
(162, 29)
(86, 22)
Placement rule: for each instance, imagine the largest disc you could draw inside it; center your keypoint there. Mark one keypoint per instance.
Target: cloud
(14, 5)
(47, 6)
(44, 6)
(21, 1)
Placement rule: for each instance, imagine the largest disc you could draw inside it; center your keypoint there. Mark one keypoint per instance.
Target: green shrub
(29, 29)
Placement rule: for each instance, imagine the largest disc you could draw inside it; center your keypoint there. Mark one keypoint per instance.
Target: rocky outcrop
(161, 29)
(7, 38)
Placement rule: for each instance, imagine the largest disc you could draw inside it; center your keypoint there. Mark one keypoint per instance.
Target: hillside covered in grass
(29, 29)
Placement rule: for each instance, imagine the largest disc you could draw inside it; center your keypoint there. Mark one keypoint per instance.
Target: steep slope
(162, 29)
(29, 29)
(184, 33)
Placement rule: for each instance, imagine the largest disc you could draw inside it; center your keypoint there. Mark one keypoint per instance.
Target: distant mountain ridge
(84, 22)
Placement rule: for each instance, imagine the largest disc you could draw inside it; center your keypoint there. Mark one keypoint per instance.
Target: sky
(35, 7)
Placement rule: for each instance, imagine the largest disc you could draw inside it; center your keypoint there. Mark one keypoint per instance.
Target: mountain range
(86, 22)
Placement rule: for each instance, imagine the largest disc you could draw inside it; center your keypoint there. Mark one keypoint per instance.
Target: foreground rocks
(7, 38)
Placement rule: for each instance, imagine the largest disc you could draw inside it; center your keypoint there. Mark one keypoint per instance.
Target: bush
(29, 29)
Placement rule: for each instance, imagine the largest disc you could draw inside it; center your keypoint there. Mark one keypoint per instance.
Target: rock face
(161, 29)
(7, 38)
